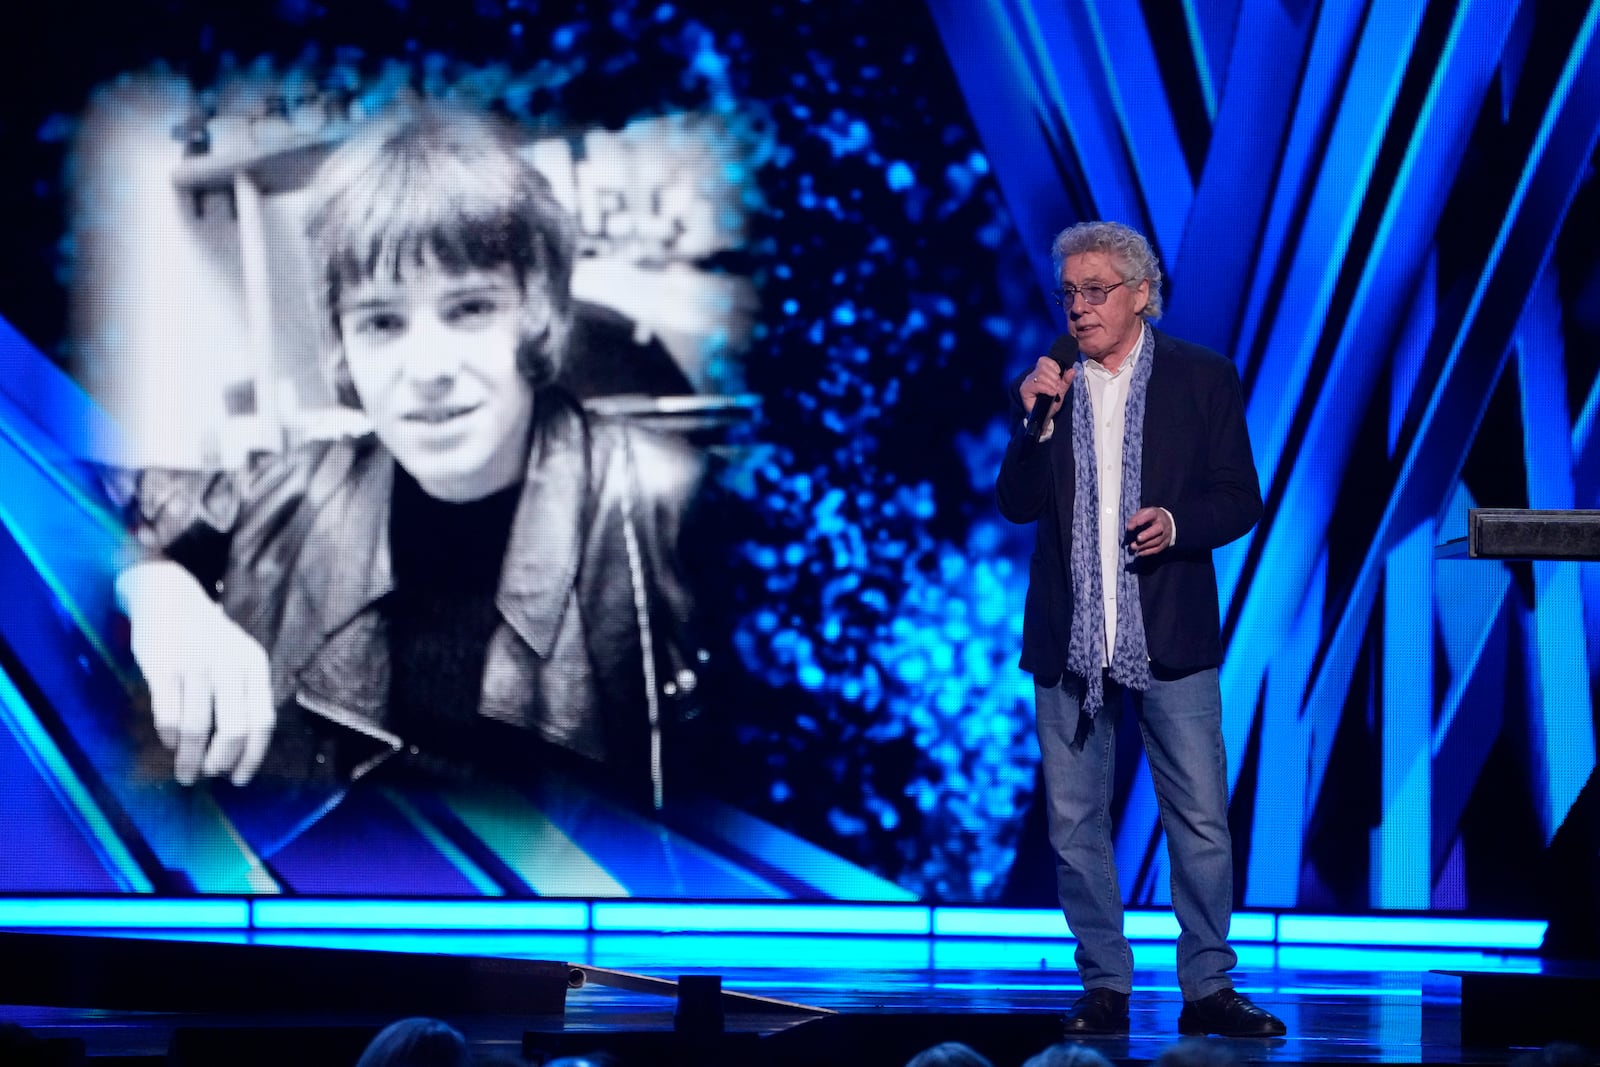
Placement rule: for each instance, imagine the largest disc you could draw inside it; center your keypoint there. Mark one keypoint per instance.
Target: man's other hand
(1149, 531)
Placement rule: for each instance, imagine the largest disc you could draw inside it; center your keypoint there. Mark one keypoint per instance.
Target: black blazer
(1197, 465)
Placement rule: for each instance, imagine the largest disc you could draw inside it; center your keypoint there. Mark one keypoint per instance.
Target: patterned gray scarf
(1086, 654)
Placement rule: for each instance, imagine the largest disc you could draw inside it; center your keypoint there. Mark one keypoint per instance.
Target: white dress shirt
(1108, 405)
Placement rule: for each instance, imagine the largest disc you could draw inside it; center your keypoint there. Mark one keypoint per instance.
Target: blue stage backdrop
(809, 247)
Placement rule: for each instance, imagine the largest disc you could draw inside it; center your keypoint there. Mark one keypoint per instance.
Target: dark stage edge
(887, 1004)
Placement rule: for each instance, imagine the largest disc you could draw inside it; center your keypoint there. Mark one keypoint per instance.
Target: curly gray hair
(1135, 260)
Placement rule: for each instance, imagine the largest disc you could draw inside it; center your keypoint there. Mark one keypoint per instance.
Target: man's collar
(541, 562)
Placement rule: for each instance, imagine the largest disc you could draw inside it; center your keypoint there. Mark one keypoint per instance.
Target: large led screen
(549, 449)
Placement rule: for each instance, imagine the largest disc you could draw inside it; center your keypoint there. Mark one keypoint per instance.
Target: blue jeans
(1181, 720)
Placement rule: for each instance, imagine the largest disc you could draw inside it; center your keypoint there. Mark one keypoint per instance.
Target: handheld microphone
(1064, 350)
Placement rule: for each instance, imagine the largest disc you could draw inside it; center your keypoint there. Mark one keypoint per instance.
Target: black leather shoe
(1098, 1011)
(1227, 1013)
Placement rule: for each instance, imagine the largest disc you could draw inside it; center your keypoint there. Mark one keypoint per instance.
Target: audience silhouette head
(949, 1054)
(417, 1042)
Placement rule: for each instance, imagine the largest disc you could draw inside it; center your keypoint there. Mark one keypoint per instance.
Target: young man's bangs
(437, 195)
(392, 244)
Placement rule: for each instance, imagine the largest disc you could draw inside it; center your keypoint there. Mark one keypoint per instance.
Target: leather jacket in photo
(592, 654)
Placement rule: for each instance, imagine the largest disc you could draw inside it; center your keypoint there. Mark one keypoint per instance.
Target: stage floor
(878, 1001)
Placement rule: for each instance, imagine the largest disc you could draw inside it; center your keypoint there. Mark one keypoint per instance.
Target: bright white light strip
(123, 913)
(1254, 926)
(574, 946)
(643, 950)
(1416, 932)
(507, 916)
(1150, 926)
(1041, 923)
(999, 922)
(1256, 957)
(763, 918)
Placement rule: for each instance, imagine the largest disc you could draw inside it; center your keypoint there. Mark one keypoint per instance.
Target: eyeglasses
(1094, 295)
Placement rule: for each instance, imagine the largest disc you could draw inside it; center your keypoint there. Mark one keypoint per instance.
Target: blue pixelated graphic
(895, 644)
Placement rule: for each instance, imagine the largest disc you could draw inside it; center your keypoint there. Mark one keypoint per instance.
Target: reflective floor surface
(870, 1001)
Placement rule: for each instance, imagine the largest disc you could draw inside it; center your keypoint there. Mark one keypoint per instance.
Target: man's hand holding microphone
(1044, 390)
